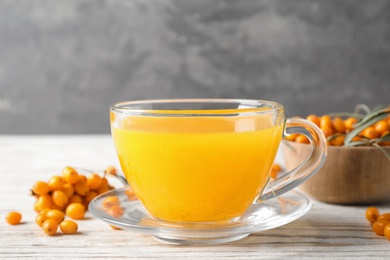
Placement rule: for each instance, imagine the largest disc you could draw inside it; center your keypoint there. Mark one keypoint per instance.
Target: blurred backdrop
(62, 63)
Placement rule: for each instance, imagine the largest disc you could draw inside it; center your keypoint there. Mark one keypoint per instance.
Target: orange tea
(197, 169)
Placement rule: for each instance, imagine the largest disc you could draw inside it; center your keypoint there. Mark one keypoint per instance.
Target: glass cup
(207, 160)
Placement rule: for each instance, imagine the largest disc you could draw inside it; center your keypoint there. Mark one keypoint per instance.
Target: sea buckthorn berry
(94, 181)
(55, 214)
(314, 119)
(338, 125)
(302, 139)
(379, 227)
(70, 175)
(75, 199)
(59, 198)
(56, 183)
(110, 201)
(110, 170)
(68, 190)
(68, 227)
(291, 137)
(116, 211)
(44, 202)
(75, 211)
(387, 232)
(370, 133)
(103, 187)
(328, 131)
(40, 218)
(50, 226)
(82, 178)
(384, 216)
(385, 133)
(131, 194)
(81, 188)
(349, 123)
(338, 141)
(381, 126)
(115, 228)
(44, 211)
(36, 208)
(13, 218)
(273, 174)
(40, 188)
(90, 196)
(326, 122)
(372, 214)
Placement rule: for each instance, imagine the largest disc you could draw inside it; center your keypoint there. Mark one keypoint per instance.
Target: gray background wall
(62, 63)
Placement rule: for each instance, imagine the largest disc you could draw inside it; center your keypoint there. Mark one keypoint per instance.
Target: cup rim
(250, 107)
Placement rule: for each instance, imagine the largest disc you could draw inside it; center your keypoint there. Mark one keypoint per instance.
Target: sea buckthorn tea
(197, 160)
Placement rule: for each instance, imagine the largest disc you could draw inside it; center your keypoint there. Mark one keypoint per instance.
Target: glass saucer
(260, 216)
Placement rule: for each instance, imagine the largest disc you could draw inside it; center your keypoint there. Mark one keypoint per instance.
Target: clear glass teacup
(207, 160)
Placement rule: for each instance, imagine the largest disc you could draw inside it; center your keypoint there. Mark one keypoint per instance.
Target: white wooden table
(327, 231)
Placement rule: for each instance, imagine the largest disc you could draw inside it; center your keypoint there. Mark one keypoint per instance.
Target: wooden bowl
(350, 175)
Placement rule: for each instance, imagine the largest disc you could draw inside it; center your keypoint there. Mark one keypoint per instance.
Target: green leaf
(363, 107)
(366, 122)
(373, 114)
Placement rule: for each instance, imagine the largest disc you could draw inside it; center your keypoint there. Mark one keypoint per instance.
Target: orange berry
(110, 201)
(110, 170)
(273, 174)
(338, 141)
(370, 133)
(40, 188)
(338, 125)
(70, 175)
(328, 131)
(68, 227)
(116, 211)
(115, 228)
(56, 183)
(387, 232)
(81, 188)
(75, 199)
(379, 226)
(103, 186)
(291, 137)
(90, 196)
(349, 123)
(372, 214)
(59, 198)
(40, 218)
(50, 226)
(68, 190)
(75, 211)
(326, 122)
(55, 214)
(13, 218)
(302, 139)
(82, 178)
(381, 127)
(94, 181)
(131, 194)
(44, 202)
(314, 119)
(385, 216)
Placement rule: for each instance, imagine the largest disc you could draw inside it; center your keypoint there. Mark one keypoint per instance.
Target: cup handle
(290, 180)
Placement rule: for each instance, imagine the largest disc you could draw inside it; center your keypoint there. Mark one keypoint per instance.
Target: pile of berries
(380, 222)
(336, 129)
(66, 195)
